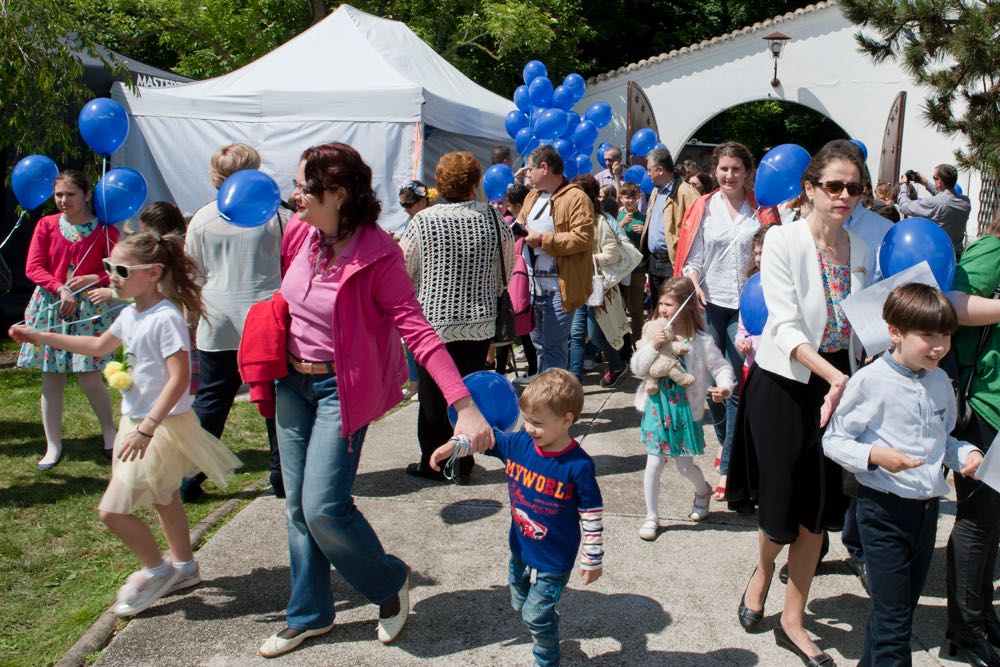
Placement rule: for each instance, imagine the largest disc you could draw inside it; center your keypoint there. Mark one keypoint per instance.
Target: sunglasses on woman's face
(836, 187)
(123, 271)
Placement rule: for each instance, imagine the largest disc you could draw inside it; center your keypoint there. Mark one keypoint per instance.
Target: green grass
(59, 566)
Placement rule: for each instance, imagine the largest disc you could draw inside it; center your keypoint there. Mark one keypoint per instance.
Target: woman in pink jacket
(349, 299)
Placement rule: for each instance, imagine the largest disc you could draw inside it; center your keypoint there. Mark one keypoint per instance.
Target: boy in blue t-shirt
(554, 500)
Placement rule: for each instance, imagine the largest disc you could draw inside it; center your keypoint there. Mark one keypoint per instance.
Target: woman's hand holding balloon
(471, 424)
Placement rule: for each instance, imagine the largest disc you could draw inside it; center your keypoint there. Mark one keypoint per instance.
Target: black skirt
(777, 459)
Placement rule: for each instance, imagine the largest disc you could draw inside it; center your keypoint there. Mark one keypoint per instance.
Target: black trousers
(530, 355)
(972, 547)
(218, 383)
(433, 427)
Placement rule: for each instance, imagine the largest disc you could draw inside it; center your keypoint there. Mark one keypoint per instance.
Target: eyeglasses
(123, 271)
(836, 187)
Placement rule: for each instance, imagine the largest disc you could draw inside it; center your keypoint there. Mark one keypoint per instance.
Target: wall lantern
(776, 43)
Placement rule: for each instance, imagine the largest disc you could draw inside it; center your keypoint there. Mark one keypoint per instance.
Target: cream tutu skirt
(180, 448)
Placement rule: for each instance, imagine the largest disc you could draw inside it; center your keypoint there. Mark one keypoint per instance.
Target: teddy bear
(666, 364)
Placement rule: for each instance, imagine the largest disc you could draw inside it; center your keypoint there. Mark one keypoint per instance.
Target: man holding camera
(949, 210)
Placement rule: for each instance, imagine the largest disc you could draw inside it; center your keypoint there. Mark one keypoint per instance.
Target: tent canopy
(353, 77)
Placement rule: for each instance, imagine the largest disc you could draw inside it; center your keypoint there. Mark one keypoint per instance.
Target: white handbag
(597, 290)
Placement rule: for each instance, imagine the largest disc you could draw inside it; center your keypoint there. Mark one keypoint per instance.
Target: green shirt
(638, 219)
(978, 274)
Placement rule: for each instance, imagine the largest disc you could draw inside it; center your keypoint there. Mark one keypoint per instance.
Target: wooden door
(892, 142)
(638, 114)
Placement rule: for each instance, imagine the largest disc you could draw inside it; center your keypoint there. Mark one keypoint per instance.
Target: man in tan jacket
(559, 218)
(668, 204)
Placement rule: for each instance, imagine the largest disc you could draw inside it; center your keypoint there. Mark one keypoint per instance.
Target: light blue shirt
(657, 237)
(886, 404)
(871, 227)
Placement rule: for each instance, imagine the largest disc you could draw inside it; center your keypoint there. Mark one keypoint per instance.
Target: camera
(912, 176)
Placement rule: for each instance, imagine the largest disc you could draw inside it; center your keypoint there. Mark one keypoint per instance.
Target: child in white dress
(159, 438)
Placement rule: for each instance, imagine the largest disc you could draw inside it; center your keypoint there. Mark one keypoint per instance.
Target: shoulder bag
(964, 409)
(504, 332)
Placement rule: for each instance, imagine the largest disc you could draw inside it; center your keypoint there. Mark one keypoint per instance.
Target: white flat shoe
(389, 628)
(276, 645)
(699, 508)
(647, 530)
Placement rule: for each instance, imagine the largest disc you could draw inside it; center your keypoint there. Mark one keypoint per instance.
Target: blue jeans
(898, 538)
(585, 327)
(722, 324)
(324, 527)
(551, 333)
(851, 535)
(537, 603)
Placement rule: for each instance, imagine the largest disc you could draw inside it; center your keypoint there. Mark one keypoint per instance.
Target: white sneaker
(188, 580)
(389, 628)
(141, 590)
(647, 530)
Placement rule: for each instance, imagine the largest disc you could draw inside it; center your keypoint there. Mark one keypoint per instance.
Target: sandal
(699, 507)
(720, 490)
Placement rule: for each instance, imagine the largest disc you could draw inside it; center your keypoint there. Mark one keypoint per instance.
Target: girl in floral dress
(671, 423)
(64, 261)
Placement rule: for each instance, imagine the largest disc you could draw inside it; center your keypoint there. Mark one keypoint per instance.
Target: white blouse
(723, 269)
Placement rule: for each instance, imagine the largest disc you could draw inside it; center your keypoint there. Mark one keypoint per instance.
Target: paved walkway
(669, 602)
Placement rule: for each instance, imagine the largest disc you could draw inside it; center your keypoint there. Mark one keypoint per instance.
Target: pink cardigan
(375, 305)
(50, 254)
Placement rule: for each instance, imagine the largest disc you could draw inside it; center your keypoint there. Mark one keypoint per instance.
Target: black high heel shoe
(782, 639)
(978, 653)
(749, 618)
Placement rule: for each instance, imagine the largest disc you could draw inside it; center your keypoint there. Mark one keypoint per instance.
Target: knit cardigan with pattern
(453, 256)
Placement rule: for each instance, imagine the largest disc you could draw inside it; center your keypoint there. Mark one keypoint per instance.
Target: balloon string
(86, 319)
(104, 190)
(57, 303)
(703, 277)
(16, 225)
(462, 448)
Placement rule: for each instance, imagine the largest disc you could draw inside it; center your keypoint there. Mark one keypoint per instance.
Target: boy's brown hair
(918, 307)
(629, 189)
(556, 390)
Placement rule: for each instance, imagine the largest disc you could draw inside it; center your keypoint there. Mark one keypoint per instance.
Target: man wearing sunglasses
(948, 209)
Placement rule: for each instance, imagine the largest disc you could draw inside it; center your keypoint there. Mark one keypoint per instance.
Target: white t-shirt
(149, 338)
(539, 219)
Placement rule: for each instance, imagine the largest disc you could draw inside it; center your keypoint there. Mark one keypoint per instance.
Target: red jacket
(262, 357)
(50, 254)
(768, 215)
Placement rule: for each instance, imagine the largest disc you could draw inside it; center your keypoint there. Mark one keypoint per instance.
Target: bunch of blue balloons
(545, 115)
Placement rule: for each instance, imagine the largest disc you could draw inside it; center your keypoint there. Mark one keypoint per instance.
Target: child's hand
(590, 576)
(67, 303)
(659, 339)
(441, 454)
(718, 394)
(743, 346)
(100, 295)
(134, 446)
(23, 334)
(972, 463)
(892, 460)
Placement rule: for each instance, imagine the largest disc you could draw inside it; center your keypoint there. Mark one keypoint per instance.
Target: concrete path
(670, 602)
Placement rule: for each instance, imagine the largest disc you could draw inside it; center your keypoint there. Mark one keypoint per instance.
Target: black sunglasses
(836, 187)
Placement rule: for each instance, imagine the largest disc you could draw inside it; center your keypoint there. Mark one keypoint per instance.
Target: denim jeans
(722, 324)
(898, 538)
(851, 535)
(537, 603)
(551, 333)
(324, 526)
(585, 327)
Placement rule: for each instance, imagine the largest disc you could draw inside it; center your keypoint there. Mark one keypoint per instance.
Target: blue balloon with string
(753, 310)
(540, 91)
(564, 147)
(32, 180)
(583, 163)
(916, 240)
(572, 120)
(495, 397)
(119, 195)
(599, 113)
(779, 175)
(576, 84)
(551, 124)
(496, 180)
(103, 125)
(514, 122)
(860, 144)
(522, 99)
(647, 185)
(643, 141)
(534, 69)
(585, 134)
(562, 98)
(248, 198)
(521, 140)
(634, 174)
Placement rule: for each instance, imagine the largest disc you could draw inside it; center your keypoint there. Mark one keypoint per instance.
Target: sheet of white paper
(989, 469)
(864, 309)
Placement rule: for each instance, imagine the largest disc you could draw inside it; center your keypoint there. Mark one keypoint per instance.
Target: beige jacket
(673, 214)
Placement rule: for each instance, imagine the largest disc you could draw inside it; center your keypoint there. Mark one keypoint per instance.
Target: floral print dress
(837, 287)
(43, 313)
(667, 427)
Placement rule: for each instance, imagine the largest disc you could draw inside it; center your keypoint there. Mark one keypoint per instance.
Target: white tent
(356, 78)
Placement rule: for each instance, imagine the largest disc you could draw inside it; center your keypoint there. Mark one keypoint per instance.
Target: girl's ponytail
(179, 281)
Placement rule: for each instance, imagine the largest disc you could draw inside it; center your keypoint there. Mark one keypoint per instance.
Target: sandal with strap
(699, 507)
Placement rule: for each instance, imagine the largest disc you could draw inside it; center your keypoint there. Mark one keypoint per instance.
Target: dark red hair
(337, 165)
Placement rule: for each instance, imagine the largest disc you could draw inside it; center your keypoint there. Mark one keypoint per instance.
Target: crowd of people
(332, 321)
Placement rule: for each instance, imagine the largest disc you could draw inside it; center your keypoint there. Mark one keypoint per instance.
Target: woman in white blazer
(806, 352)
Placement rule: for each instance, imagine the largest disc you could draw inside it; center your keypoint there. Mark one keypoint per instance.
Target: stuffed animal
(666, 364)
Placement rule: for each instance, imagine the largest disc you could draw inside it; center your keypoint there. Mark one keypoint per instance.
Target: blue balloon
(551, 124)
(119, 195)
(643, 141)
(495, 397)
(634, 174)
(583, 163)
(496, 180)
(572, 120)
(647, 185)
(248, 198)
(522, 139)
(540, 90)
(103, 124)
(534, 69)
(599, 113)
(522, 99)
(514, 122)
(753, 310)
(860, 144)
(600, 154)
(532, 144)
(569, 167)
(32, 180)
(585, 134)
(958, 189)
(564, 147)
(779, 176)
(576, 85)
(915, 240)
(660, 144)
(562, 98)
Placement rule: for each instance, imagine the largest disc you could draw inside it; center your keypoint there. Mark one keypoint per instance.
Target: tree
(950, 46)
